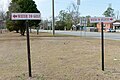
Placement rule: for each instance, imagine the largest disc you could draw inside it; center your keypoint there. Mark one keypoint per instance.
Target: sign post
(102, 44)
(102, 20)
(27, 16)
(28, 48)
(83, 23)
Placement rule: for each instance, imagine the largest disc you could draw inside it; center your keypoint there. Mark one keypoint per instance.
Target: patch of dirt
(57, 58)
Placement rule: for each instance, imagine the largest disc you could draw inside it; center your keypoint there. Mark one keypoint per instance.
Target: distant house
(107, 25)
(74, 27)
(116, 24)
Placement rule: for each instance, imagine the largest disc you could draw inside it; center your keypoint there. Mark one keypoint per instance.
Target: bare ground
(58, 58)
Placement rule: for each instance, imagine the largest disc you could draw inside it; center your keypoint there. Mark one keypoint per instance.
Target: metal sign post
(83, 22)
(97, 20)
(85, 28)
(102, 45)
(28, 49)
(27, 16)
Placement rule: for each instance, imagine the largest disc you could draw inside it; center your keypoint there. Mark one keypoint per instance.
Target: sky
(86, 7)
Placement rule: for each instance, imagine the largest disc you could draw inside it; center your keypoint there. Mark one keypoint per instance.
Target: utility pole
(78, 2)
(53, 19)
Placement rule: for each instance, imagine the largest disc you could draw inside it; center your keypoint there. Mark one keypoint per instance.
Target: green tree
(59, 25)
(22, 6)
(68, 18)
(62, 15)
(109, 12)
(11, 25)
(62, 20)
(68, 21)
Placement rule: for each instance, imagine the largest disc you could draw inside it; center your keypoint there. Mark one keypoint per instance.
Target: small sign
(49, 24)
(101, 19)
(83, 21)
(26, 16)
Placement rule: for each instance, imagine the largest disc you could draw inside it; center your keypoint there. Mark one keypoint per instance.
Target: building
(107, 25)
(116, 24)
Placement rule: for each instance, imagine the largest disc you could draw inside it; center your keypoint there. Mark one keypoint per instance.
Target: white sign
(83, 21)
(49, 24)
(26, 16)
(101, 19)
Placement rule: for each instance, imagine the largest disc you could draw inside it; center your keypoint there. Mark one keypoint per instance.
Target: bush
(10, 28)
(93, 30)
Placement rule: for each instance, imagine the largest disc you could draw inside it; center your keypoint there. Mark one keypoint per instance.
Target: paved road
(111, 36)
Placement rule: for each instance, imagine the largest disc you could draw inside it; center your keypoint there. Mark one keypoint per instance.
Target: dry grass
(57, 58)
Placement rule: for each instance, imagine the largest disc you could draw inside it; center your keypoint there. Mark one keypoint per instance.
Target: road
(111, 36)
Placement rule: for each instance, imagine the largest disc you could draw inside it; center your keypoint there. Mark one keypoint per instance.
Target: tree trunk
(17, 31)
(22, 31)
(30, 30)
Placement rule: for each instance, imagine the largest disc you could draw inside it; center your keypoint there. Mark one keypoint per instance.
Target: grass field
(58, 58)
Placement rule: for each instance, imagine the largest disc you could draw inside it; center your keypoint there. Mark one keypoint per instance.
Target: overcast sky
(87, 7)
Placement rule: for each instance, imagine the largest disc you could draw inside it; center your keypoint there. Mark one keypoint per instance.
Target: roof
(106, 23)
(116, 21)
(116, 24)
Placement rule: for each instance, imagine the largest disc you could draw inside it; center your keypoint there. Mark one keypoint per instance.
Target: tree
(2, 19)
(59, 25)
(109, 12)
(62, 15)
(88, 21)
(69, 17)
(45, 24)
(22, 6)
(64, 20)
(68, 21)
(74, 12)
(12, 25)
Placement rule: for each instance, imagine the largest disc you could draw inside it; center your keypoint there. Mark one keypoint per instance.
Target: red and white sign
(26, 16)
(101, 19)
